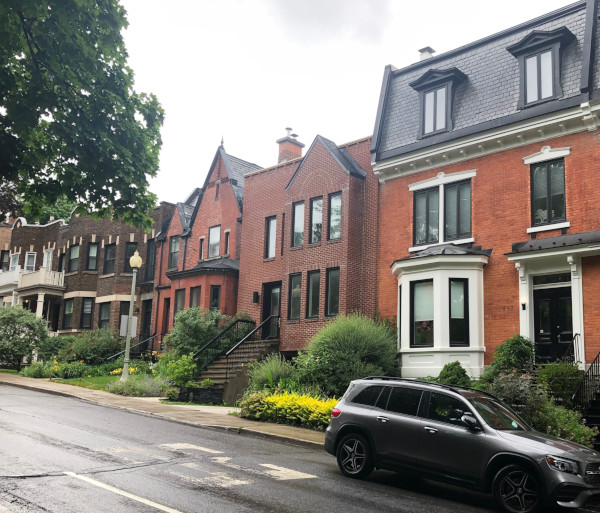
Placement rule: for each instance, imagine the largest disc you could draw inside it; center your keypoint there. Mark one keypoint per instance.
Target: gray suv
(460, 436)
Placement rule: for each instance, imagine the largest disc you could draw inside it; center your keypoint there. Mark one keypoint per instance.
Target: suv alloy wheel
(354, 456)
(517, 489)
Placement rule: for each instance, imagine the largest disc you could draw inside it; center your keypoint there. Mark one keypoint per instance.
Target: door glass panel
(565, 314)
(275, 308)
(543, 307)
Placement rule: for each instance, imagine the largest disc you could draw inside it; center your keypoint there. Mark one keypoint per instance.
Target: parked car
(460, 436)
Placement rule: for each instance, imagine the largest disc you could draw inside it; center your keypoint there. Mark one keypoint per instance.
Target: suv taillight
(336, 412)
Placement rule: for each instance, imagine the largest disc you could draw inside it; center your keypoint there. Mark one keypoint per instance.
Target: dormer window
(436, 90)
(539, 56)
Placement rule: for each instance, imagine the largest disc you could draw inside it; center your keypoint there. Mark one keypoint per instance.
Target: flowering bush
(301, 410)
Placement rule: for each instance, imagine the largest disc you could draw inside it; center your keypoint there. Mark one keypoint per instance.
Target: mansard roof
(488, 98)
(340, 155)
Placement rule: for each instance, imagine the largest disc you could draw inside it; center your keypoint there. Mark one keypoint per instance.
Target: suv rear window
(368, 396)
(405, 400)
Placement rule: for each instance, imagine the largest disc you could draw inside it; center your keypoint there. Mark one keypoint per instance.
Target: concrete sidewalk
(219, 417)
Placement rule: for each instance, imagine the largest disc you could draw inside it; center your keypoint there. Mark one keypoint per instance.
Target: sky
(242, 71)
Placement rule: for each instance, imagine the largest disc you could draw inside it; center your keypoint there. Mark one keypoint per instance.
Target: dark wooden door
(553, 320)
(271, 306)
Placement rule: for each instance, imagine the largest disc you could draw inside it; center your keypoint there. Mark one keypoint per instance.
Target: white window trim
(548, 227)
(13, 266)
(545, 154)
(27, 258)
(441, 180)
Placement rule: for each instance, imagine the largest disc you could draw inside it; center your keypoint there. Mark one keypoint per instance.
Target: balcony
(41, 278)
(9, 280)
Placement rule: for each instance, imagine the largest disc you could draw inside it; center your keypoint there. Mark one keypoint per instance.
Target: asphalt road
(65, 455)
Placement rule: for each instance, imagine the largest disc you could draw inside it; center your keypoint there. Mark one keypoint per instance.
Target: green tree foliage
(347, 348)
(60, 209)
(193, 328)
(20, 333)
(70, 122)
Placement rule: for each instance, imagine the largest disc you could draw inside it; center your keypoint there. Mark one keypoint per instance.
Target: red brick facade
(318, 174)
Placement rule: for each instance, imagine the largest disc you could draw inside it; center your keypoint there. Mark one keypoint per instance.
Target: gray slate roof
(447, 249)
(490, 91)
(561, 241)
(222, 265)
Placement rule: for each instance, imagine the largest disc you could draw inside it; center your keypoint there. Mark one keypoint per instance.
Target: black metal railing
(572, 353)
(589, 385)
(226, 338)
(143, 347)
(241, 353)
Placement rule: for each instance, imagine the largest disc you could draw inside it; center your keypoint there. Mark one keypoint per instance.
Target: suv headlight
(562, 464)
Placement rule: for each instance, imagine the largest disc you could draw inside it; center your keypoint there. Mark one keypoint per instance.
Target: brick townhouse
(198, 248)
(309, 239)
(77, 276)
(489, 207)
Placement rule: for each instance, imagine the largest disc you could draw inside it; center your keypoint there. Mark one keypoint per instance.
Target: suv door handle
(430, 429)
(382, 419)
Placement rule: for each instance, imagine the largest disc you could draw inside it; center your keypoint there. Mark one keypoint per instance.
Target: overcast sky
(243, 70)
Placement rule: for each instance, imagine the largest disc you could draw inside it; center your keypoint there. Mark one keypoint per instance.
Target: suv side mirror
(470, 422)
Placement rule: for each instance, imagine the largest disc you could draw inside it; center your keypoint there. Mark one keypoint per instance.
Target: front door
(553, 321)
(271, 307)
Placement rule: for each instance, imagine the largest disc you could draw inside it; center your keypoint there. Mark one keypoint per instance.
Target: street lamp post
(135, 262)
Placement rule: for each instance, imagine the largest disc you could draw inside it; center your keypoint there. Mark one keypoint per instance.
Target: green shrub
(193, 328)
(52, 346)
(172, 394)
(160, 367)
(453, 373)
(561, 379)
(269, 372)
(207, 383)
(92, 347)
(72, 370)
(515, 353)
(20, 333)
(38, 370)
(347, 348)
(140, 386)
(285, 408)
(531, 401)
(182, 370)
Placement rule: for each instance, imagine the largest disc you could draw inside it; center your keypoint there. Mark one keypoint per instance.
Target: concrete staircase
(230, 373)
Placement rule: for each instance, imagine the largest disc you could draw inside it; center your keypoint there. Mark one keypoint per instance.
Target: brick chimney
(289, 147)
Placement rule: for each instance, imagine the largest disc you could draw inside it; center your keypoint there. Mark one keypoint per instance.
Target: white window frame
(214, 241)
(30, 268)
(14, 261)
(440, 181)
(47, 262)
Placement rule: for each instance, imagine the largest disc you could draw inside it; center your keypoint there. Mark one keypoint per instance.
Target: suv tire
(354, 456)
(517, 489)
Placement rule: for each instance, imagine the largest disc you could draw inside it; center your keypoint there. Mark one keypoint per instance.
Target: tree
(61, 209)
(20, 333)
(70, 122)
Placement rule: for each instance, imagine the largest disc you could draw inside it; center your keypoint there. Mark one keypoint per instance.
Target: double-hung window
(332, 295)
(442, 209)
(47, 261)
(179, 302)
(312, 298)
(548, 193)
(150, 264)
(4, 260)
(68, 314)
(195, 294)
(30, 261)
(298, 224)
(14, 261)
(294, 296)
(104, 316)
(316, 220)
(434, 111)
(214, 241)
(110, 253)
(270, 236)
(421, 298)
(459, 312)
(173, 251)
(215, 297)
(335, 216)
(73, 259)
(87, 306)
(92, 256)
(130, 249)
(538, 56)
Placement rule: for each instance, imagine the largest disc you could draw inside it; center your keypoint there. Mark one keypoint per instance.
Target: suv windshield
(496, 414)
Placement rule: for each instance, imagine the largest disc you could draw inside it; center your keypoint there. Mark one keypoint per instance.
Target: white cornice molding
(540, 129)
(435, 262)
(545, 154)
(442, 179)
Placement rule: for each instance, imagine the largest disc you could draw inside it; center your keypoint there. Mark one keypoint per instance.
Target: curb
(239, 430)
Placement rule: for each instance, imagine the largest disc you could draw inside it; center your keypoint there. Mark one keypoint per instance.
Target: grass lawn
(9, 371)
(95, 382)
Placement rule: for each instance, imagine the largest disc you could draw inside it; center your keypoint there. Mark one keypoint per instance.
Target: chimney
(426, 53)
(289, 147)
